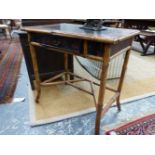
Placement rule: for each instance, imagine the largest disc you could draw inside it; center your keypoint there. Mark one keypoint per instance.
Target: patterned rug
(141, 126)
(11, 56)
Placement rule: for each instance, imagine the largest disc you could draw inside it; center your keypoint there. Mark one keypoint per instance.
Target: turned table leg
(119, 89)
(66, 66)
(99, 106)
(36, 70)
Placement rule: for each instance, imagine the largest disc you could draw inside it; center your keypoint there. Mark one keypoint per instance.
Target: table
(142, 24)
(70, 39)
(147, 37)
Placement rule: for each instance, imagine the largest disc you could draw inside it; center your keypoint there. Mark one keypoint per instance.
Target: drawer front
(69, 44)
(95, 48)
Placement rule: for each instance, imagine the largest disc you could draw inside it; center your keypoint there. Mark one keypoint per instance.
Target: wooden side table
(70, 39)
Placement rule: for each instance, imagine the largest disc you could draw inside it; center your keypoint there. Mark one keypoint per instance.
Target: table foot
(119, 108)
(38, 97)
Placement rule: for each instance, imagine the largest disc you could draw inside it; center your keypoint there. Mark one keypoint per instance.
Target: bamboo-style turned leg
(66, 65)
(119, 89)
(36, 71)
(106, 58)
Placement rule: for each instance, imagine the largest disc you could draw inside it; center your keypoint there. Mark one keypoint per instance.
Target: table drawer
(69, 44)
(64, 43)
(95, 48)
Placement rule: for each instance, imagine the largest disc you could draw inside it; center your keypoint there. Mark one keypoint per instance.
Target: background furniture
(145, 38)
(33, 22)
(5, 27)
(15, 24)
(141, 24)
